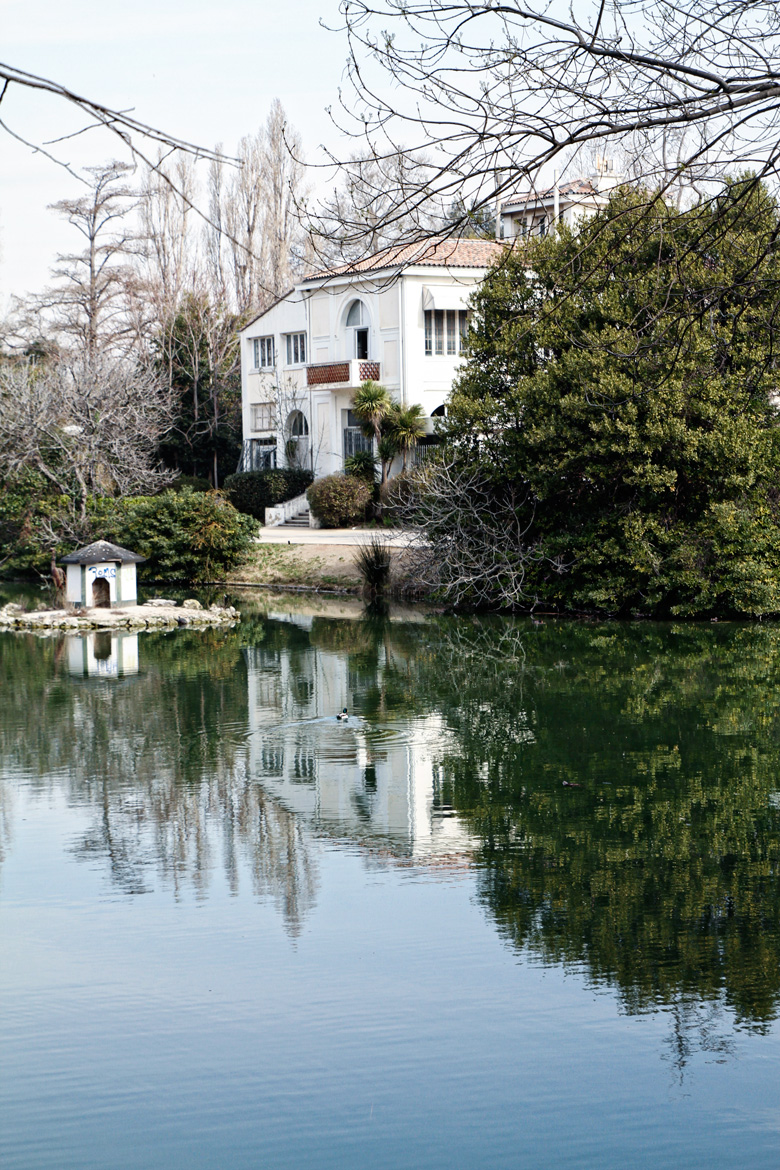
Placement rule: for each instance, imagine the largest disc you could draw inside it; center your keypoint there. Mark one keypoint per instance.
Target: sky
(206, 72)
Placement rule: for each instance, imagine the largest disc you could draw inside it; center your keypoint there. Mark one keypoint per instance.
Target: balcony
(342, 375)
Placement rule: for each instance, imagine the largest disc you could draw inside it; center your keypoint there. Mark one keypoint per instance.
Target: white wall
(394, 305)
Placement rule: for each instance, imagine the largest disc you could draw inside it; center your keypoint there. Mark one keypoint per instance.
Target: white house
(533, 213)
(397, 318)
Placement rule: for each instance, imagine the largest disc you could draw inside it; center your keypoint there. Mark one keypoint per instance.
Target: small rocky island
(158, 613)
(99, 593)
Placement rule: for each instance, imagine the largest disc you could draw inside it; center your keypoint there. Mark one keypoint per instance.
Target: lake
(520, 909)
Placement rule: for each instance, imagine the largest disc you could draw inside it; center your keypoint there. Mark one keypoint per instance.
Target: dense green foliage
(362, 463)
(339, 500)
(619, 398)
(254, 491)
(185, 536)
(198, 352)
(27, 501)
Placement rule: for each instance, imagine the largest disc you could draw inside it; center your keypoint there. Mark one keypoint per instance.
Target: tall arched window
(296, 447)
(297, 425)
(357, 326)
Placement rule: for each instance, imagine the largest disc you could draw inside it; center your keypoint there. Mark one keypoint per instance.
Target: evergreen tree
(621, 383)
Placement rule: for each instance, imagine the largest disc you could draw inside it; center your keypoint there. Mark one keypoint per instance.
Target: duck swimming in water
(342, 715)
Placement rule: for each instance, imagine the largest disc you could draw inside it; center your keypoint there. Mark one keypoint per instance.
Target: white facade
(396, 319)
(534, 213)
(80, 588)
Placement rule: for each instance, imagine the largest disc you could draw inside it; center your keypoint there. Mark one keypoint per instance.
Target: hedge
(254, 491)
(185, 535)
(339, 500)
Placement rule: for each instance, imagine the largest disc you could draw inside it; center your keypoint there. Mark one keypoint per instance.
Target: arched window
(357, 323)
(296, 447)
(356, 314)
(297, 425)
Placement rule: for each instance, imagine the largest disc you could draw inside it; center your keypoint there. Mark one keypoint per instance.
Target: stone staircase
(299, 521)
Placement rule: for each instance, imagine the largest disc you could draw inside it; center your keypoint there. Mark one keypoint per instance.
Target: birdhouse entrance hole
(101, 593)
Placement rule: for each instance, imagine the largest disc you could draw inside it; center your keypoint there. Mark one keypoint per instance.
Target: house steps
(301, 520)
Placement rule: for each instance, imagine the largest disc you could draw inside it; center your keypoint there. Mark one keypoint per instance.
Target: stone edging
(159, 613)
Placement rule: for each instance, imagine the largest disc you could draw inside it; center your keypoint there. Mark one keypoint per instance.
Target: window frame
(263, 352)
(269, 409)
(446, 331)
(295, 344)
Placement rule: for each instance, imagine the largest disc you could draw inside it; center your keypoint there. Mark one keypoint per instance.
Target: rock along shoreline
(157, 614)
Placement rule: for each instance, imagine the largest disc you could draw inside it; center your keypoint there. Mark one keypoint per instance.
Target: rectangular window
(263, 416)
(449, 323)
(263, 353)
(296, 349)
(452, 331)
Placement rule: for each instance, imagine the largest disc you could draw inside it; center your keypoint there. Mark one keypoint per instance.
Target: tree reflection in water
(619, 783)
(159, 761)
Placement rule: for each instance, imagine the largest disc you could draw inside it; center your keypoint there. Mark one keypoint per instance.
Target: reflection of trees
(158, 760)
(622, 782)
(630, 829)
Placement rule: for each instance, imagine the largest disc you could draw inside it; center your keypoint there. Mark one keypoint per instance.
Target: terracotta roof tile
(443, 253)
(574, 187)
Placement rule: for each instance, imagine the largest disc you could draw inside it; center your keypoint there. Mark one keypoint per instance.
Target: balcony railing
(342, 374)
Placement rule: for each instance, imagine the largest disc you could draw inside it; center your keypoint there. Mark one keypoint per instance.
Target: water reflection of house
(376, 782)
(103, 654)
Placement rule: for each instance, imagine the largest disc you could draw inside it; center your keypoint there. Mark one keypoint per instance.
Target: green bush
(254, 491)
(363, 464)
(185, 535)
(194, 482)
(339, 500)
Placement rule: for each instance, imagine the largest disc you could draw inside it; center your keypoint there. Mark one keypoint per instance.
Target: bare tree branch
(498, 92)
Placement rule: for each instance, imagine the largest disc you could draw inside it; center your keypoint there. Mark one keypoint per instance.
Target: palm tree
(408, 426)
(373, 406)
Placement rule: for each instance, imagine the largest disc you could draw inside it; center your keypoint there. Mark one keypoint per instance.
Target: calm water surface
(521, 910)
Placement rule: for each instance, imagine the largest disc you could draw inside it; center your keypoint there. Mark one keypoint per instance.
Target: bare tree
(499, 91)
(88, 427)
(469, 543)
(255, 244)
(364, 212)
(87, 305)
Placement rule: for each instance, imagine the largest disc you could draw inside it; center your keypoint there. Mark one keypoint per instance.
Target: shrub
(185, 535)
(252, 492)
(372, 561)
(362, 464)
(398, 498)
(194, 482)
(339, 500)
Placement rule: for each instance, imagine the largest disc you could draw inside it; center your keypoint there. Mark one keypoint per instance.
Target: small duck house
(101, 575)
